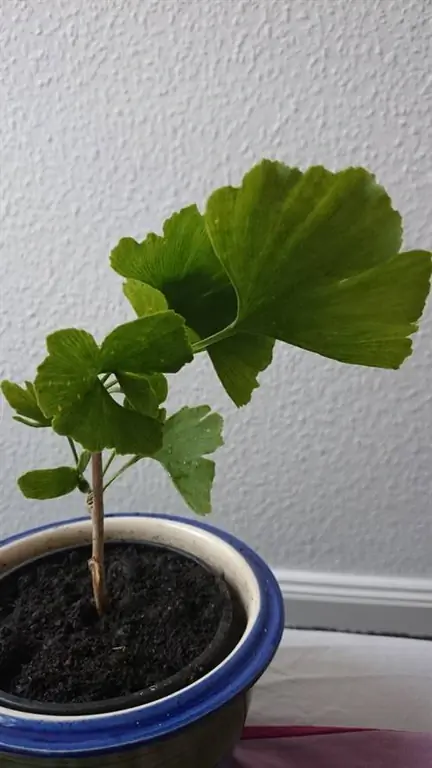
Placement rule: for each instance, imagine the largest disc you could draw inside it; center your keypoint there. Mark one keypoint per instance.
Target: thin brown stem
(96, 563)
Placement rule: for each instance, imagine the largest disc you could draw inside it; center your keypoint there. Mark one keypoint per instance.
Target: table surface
(347, 680)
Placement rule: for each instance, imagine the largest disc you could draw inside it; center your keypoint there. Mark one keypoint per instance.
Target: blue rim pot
(196, 726)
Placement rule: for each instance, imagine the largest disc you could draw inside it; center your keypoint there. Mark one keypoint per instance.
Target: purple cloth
(373, 749)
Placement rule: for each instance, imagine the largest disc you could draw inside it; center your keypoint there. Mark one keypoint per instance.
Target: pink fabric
(329, 749)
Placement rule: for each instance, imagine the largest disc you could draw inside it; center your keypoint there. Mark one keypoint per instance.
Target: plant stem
(110, 460)
(122, 469)
(96, 563)
(202, 345)
(74, 450)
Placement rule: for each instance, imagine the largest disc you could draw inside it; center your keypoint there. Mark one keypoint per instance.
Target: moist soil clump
(165, 609)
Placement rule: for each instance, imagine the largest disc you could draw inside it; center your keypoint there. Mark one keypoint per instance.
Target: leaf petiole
(203, 344)
(122, 469)
(74, 450)
(109, 462)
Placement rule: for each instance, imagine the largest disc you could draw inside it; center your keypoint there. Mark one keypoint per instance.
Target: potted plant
(148, 659)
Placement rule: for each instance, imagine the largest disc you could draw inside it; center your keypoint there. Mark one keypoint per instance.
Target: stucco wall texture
(115, 114)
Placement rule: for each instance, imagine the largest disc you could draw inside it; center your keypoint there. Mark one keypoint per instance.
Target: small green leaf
(139, 393)
(83, 461)
(189, 435)
(69, 371)
(144, 299)
(313, 258)
(156, 343)
(24, 402)
(159, 386)
(48, 483)
(98, 422)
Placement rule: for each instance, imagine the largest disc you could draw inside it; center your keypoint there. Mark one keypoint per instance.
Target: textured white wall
(114, 114)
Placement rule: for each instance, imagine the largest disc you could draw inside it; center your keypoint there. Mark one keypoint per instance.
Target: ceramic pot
(197, 726)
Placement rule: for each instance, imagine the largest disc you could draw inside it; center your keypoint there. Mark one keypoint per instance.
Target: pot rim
(25, 733)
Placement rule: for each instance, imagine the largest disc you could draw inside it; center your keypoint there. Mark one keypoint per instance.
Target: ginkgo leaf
(238, 360)
(70, 392)
(83, 461)
(24, 402)
(144, 299)
(97, 422)
(48, 483)
(139, 393)
(69, 371)
(155, 343)
(159, 385)
(189, 435)
(314, 260)
(183, 266)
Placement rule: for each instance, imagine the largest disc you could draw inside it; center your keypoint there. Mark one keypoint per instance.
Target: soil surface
(164, 611)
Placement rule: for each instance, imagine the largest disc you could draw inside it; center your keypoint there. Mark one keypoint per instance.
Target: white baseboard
(387, 605)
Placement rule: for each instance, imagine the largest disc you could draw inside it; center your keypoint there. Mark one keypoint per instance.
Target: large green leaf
(183, 266)
(48, 483)
(24, 402)
(155, 343)
(97, 422)
(189, 435)
(69, 371)
(314, 260)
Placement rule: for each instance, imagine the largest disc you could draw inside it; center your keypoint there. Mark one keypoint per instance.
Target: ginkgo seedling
(308, 258)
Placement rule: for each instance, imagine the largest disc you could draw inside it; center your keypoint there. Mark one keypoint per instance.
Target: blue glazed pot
(197, 726)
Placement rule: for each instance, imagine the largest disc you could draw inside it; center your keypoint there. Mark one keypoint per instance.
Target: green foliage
(83, 461)
(70, 392)
(155, 343)
(139, 393)
(314, 260)
(308, 258)
(190, 435)
(48, 483)
(69, 372)
(97, 422)
(144, 299)
(24, 402)
(311, 259)
(184, 267)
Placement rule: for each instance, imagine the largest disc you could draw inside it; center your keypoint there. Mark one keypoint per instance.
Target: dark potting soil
(165, 609)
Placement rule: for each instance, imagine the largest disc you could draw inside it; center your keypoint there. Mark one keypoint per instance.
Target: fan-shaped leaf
(24, 402)
(189, 435)
(98, 422)
(313, 258)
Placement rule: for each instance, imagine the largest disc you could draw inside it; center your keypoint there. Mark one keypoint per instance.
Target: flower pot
(195, 726)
